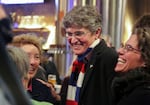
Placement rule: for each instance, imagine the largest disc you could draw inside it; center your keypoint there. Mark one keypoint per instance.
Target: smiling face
(34, 57)
(80, 39)
(129, 58)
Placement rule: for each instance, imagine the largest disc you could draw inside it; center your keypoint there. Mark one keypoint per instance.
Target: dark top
(40, 92)
(132, 88)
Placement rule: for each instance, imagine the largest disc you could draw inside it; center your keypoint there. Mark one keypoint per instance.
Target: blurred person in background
(50, 67)
(93, 69)
(108, 40)
(132, 86)
(11, 90)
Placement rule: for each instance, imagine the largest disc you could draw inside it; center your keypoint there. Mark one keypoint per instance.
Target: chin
(77, 52)
(119, 69)
(31, 75)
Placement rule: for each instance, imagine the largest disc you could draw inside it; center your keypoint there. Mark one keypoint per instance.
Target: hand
(52, 88)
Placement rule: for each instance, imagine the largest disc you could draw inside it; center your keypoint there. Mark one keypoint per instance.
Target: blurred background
(44, 17)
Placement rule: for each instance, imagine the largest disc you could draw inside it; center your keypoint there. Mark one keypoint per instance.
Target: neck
(25, 83)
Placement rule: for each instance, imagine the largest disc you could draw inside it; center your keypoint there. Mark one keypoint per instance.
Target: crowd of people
(100, 75)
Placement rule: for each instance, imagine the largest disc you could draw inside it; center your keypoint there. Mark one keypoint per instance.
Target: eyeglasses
(128, 48)
(77, 34)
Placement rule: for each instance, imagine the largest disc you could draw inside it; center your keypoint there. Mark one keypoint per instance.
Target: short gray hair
(83, 17)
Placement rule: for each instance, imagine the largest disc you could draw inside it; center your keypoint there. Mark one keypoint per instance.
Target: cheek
(134, 61)
(34, 64)
(37, 63)
(133, 58)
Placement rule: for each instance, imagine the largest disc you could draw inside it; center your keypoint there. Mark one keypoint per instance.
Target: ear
(98, 33)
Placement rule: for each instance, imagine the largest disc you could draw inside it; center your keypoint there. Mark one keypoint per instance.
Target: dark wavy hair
(143, 21)
(142, 30)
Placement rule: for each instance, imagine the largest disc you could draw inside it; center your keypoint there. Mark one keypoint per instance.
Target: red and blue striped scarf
(76, 79)
(77, 76)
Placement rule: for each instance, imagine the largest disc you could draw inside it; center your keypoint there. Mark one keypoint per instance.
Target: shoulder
(106, 53)
(110, 52)
(103, 50)
(37, 84)
(139, 96)
(141, 92)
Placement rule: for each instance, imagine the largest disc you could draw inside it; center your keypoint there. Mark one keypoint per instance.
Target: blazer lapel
(95, 53)
(88, 73)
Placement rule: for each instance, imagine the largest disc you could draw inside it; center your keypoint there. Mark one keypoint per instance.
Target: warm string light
(32, 22)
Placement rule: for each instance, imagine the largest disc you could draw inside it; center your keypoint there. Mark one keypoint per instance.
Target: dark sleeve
(110, 59)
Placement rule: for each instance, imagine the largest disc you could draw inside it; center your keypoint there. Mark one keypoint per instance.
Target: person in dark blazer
(93, 69)
(132, 86)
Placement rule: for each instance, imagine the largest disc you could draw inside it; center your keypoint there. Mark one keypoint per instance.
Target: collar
(30, 85)
(129, 80)
(85, 56)
(95, 43)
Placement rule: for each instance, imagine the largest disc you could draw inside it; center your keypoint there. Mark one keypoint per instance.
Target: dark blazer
(99, 73)
(132, 88)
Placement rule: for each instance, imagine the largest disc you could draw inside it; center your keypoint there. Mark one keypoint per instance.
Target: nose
(32, 60)
(73, 39)
(121, 51)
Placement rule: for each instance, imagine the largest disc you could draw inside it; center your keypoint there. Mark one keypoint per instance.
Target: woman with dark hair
(132, 86)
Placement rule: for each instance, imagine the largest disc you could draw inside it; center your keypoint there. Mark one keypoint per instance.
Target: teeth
(76, 45)
(121, 61)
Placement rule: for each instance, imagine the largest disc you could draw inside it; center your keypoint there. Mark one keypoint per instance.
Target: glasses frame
(129, 48)
(77, 34)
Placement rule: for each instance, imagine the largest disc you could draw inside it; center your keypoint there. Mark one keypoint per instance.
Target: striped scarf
(77, 76)
(76, 79)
